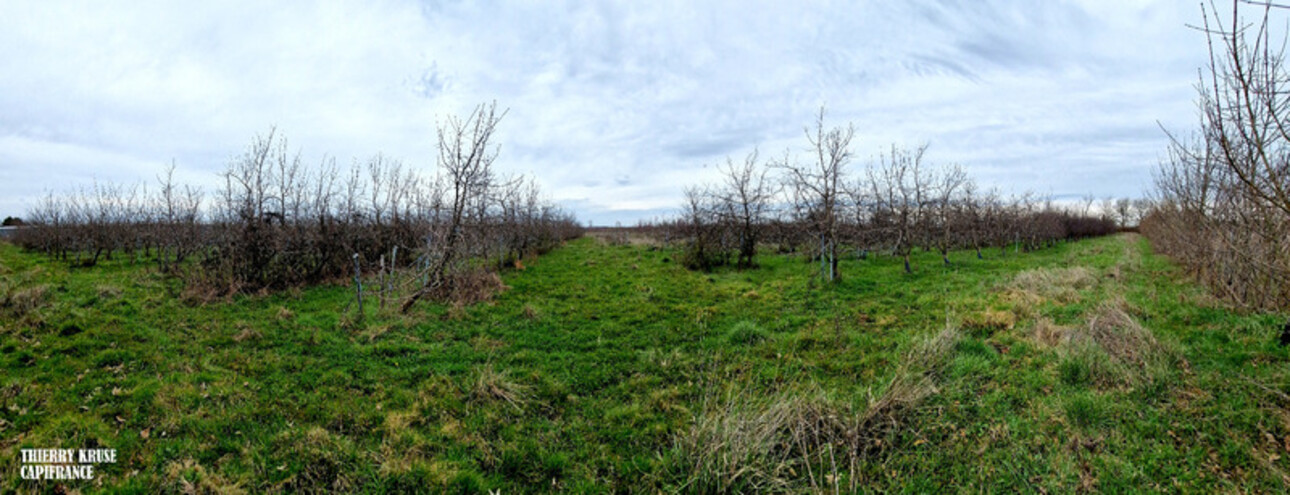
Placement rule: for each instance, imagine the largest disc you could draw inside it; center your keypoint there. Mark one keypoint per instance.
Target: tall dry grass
(799, 438)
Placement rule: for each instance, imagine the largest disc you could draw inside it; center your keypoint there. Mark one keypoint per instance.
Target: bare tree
(1122, 209)
(945, 205)
(465, 158)
(746, 194)
(700, 228)
(899, 186)
(817, 187)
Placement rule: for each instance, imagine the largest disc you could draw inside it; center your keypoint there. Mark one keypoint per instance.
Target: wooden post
(394, 260)
(358, 286)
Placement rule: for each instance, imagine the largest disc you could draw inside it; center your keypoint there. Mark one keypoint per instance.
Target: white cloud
(613, 106)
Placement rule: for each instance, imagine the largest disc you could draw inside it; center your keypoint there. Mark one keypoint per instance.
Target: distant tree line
(275, 222)
(823, 208)
(1223, 207)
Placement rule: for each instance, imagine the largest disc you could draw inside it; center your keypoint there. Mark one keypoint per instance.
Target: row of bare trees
(275, 222)
(101, 220)
(821, 207)
(1224, 192)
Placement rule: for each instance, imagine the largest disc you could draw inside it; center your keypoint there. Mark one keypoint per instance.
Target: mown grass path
(1089, 366)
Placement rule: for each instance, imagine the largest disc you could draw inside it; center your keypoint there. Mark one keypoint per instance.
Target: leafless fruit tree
(746, 197)
(817, 188)
(465, 160)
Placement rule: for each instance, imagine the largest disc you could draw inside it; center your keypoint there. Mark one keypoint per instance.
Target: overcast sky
(614, 107)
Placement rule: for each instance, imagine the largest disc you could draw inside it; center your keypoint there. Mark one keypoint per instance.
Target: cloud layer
(613, 106)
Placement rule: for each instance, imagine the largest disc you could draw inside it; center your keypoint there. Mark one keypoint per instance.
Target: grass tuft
(1122, 337)
(474, 286)
(1050, 334)
(324, 459)
(247, 333)
(491, 387)
(746, 333)
(108, 292)
(1086, 410)
(531, 313)
(1110, 349)
(1086, 364)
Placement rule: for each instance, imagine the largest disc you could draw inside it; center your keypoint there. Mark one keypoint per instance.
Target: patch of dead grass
(19, 302)
(187, 476)
(531, 313)
(247, 333)
(1051, 334)
(108, 292)
(326, 459)
(1112, 328)
(1110, 333)
(989, 321)
(1022, 303)
(1058, 284)
(473, 287)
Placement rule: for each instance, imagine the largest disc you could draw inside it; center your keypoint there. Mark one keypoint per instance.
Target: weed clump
(763, 444)
(247, 333)
(531, 313)
(917, 378)
(1123, 338)
(108, 292)
(1051, 334)
(1086, 364)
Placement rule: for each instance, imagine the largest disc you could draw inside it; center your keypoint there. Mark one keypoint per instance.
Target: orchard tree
(465, 159)
(745, 196)
(899, 183)
(817, 187)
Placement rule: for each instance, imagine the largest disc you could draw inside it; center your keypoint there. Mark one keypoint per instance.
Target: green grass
(611, 368)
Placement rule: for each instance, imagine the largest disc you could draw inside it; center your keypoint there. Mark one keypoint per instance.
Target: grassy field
(606, 368)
